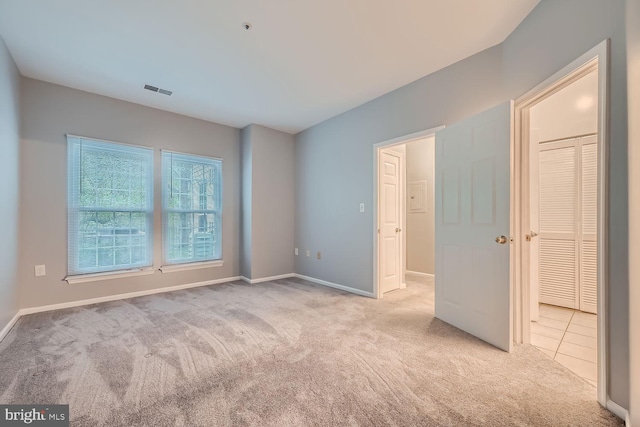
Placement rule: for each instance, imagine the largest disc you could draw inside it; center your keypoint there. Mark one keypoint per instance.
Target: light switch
(361, 207)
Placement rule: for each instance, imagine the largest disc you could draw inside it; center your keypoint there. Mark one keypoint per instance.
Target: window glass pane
(110, 206)
(113, 179)
(191, 208)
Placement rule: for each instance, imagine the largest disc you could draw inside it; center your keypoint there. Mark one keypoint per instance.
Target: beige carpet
(282, 353)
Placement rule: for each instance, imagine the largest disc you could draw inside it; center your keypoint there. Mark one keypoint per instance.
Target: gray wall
(48, 113)
(10, 177)
(334, 163)
(268, 200)
(334, 160)
(420, 227)
(633, 52)
(245, 218)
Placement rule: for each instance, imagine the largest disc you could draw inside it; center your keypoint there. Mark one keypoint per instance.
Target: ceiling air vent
(158, 90)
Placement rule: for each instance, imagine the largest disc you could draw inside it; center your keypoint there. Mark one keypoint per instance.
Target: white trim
(618, 410)
(7, 328)
(107, 275)
(268, 279)
(79, 303)
(417, 273)
(376, 148)
(162, 150)
(88, 138)
(598, 57)
(191, 266)
(336, 286)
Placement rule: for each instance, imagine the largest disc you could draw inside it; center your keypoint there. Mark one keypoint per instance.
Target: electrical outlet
(40, 270)
(295, 251)
(308, 252)
(319, 255)
(361, 207)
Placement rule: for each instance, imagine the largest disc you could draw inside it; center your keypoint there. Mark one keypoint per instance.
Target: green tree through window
(191, 208)
(110, 206)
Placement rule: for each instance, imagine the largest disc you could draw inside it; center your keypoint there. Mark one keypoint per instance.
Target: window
(191, 206)
(110, 213)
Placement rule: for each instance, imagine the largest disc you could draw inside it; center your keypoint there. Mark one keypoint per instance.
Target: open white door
(389, 217)
(472, 233)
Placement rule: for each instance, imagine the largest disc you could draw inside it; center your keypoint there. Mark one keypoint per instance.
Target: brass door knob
(501, 240)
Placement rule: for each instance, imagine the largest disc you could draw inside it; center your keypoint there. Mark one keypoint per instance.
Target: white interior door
(389, 217)
(472, 277)
(557, 223)
(589, 225)
(564, 255)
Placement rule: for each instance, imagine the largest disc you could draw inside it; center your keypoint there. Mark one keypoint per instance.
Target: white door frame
(376, 252)
(596, 58)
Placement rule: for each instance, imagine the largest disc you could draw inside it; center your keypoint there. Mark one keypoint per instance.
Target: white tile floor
(569, 337)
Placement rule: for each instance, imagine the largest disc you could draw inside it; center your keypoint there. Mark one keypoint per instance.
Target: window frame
(76, 274)
(166, 159)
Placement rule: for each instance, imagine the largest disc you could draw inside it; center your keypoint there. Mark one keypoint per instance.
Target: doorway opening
(560, 212)
(404, 212)
(563, 209)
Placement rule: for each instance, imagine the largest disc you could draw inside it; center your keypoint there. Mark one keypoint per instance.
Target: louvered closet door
(588, 258)
(558, 264)
(567, 260)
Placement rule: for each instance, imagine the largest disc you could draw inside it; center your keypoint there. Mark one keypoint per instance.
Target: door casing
(377, 291)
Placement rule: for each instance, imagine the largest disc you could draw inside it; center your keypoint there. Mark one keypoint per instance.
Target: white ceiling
(302, 62)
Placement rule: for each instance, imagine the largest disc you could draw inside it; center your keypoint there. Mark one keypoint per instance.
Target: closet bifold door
(568, 200)
(558, 224)
(588, 235)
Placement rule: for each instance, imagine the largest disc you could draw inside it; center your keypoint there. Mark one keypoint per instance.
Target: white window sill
(83, 278)
(191, 266)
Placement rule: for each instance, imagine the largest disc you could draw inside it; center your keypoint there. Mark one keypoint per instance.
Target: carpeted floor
(282, 353)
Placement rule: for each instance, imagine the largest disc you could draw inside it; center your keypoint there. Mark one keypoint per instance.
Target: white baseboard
(417, 273)
(618, 410)
(267, 279)
(7, 328)
(336, 286)
(79, 303)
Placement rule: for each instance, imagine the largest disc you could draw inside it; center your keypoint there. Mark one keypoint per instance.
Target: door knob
(398, 230)
(501, 240)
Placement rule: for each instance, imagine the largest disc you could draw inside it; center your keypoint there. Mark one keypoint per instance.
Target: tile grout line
(563, 335)
(566, 330)
(570, 320)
